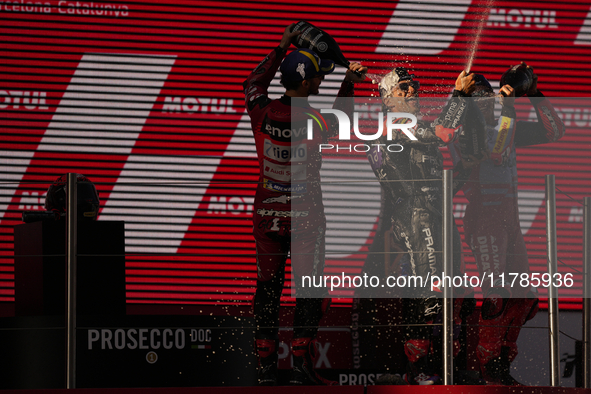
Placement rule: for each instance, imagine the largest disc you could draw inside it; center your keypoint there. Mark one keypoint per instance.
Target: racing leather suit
(492, 228)
(411, 182)
(288, 210)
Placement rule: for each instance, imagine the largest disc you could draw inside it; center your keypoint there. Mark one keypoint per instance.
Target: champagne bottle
(472, 139)
(320, 42)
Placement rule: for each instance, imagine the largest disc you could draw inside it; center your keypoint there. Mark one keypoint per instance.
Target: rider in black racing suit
(411, 182)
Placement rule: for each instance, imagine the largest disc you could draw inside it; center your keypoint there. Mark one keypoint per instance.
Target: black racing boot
(505, 371)
(303, 350)
(420, 369)
(491, 372)
(267, 361)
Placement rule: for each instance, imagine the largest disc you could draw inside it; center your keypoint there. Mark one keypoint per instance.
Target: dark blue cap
(480, 80)
(483, 87)
(304, 64)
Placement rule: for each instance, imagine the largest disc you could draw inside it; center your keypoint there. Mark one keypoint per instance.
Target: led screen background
(146, 100)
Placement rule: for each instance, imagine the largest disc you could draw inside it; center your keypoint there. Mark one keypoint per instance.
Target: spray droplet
(474, 45)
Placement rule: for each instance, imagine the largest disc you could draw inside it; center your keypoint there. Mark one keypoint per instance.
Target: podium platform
(322, 390)
(128, 351)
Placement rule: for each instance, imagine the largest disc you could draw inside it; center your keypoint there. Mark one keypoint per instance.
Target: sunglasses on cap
(405, 85)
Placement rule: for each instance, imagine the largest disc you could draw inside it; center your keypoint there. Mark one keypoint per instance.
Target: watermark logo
(399, 121)
(323, 126)
(391, 125)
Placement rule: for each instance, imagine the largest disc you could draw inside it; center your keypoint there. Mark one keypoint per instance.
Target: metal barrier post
(587, 293)
(448, 271)
(71, 241)
(552, 291)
